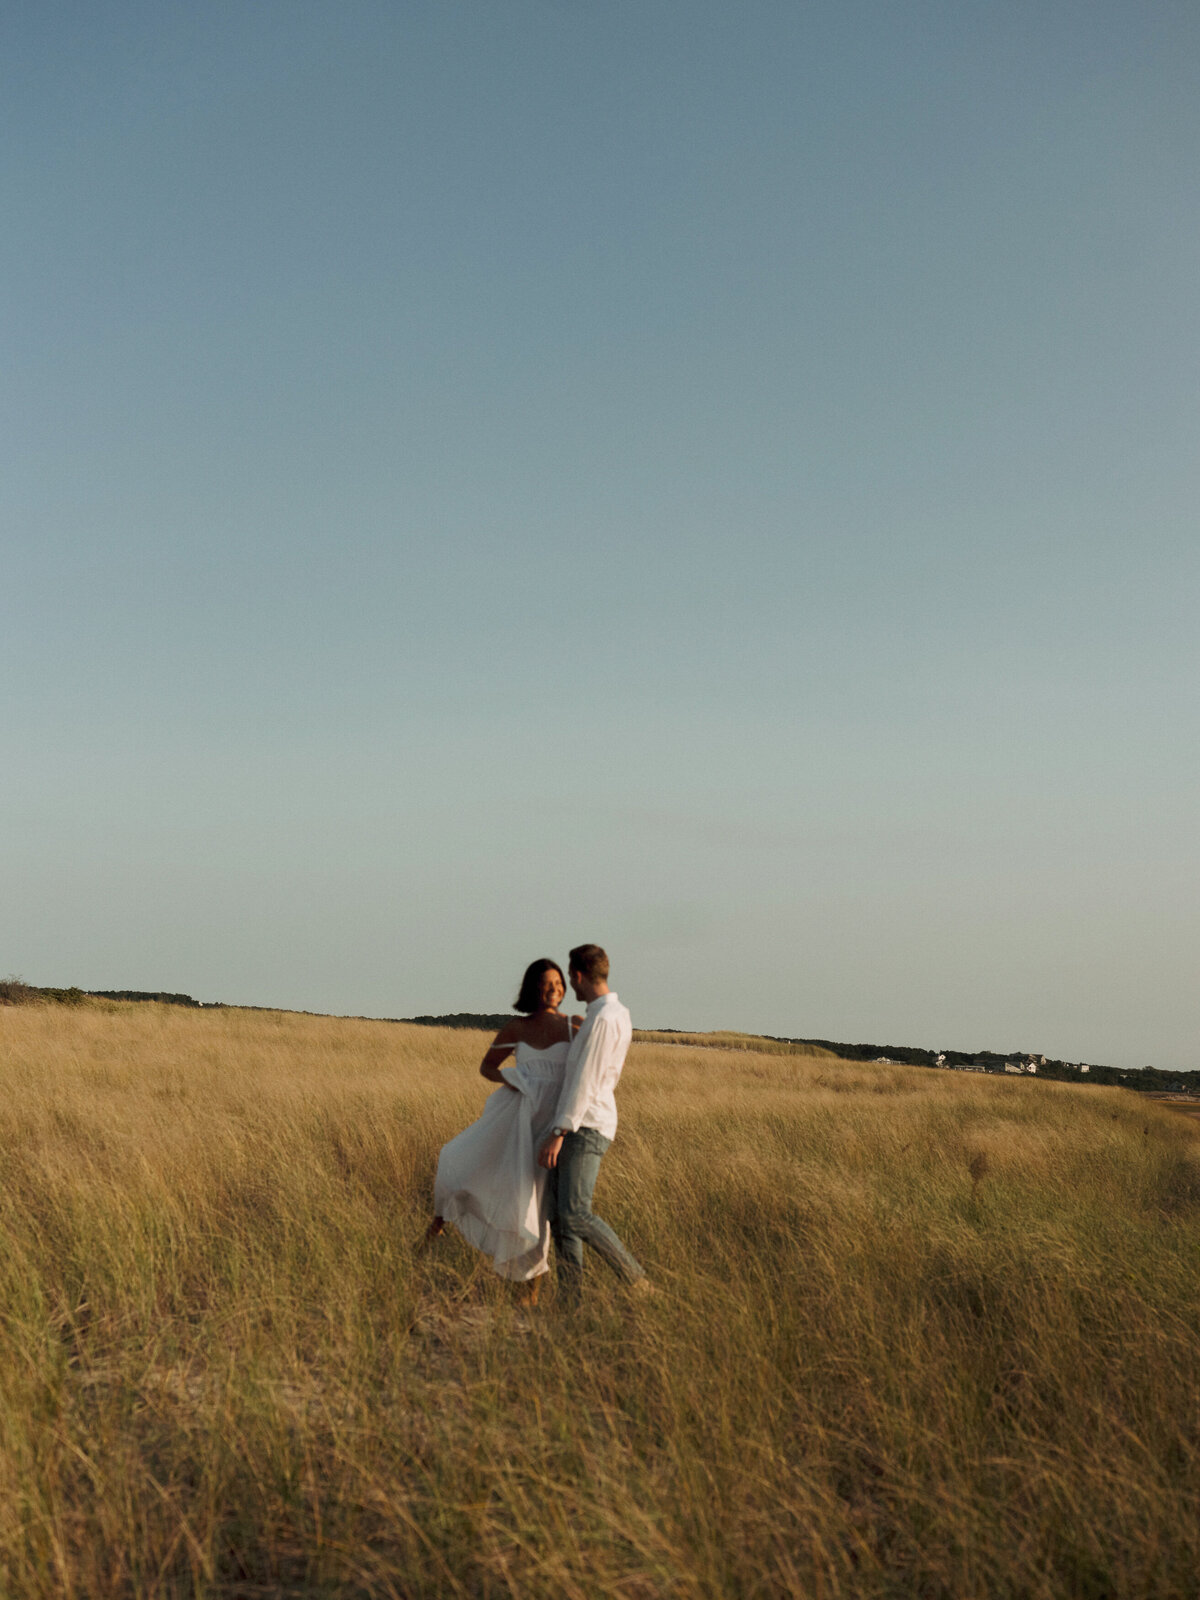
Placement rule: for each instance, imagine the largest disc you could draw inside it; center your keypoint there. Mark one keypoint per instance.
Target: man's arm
(579, 1085)
(579, 1088)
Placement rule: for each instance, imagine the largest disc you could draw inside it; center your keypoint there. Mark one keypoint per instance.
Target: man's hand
(548, 1154)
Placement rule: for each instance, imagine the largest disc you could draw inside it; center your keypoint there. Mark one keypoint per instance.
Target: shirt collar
(594, 1005)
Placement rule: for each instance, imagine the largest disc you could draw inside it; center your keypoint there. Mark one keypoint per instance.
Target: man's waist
(607, 1125)
(588, 1132)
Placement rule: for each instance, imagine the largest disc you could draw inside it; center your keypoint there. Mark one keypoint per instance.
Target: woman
(488, 1181)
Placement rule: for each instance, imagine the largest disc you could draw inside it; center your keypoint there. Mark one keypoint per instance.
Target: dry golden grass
(919, 1333)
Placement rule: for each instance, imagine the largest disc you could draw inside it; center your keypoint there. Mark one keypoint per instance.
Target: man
(584, 1125)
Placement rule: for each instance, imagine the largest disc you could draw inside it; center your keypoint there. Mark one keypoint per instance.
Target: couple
(527, 1169)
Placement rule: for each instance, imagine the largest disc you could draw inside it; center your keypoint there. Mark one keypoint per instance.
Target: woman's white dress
(488, 1183)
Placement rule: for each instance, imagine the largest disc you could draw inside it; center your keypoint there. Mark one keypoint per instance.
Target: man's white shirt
(594, 1064)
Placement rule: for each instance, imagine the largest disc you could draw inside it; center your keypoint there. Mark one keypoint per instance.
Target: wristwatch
(558, 1133)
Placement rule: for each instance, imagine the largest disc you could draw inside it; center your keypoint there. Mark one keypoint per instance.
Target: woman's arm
(501, 1047)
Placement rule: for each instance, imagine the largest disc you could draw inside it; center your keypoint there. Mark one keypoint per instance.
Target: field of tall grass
(917, 1333)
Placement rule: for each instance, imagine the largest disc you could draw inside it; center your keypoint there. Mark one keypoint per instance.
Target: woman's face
(552, 990)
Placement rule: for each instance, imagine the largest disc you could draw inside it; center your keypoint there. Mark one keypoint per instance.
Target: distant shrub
(64, 997)
(16, 992)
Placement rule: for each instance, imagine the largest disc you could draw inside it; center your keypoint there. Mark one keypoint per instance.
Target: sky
(715, 480)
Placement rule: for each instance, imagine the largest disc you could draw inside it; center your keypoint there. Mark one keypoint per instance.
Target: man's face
(576, 983)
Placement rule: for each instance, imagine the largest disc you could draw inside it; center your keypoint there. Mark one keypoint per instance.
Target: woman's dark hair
(529, 999)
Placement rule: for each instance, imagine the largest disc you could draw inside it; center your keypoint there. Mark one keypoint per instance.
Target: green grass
(918, 1334)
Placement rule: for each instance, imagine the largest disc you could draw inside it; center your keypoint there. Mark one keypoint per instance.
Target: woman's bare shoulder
(511, 1033)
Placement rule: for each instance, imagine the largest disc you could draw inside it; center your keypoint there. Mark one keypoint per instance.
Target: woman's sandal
(435, 1230)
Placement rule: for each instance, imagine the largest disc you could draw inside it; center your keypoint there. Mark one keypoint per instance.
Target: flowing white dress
(489, 1184)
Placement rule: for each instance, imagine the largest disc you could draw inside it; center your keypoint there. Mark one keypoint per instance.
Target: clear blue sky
(718, 480)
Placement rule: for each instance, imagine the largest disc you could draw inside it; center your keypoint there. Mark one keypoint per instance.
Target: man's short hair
(590, 962)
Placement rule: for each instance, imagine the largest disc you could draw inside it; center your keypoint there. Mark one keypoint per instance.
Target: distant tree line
(484, 1021)
(909, 1054)
(144, 994)
(15, 992)
(1146, 1078)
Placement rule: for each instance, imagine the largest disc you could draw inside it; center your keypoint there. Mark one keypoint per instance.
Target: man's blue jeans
(572, 1220)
